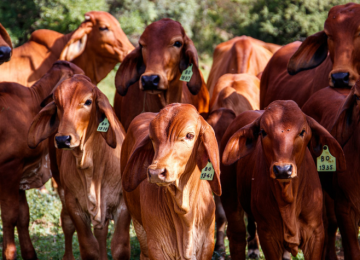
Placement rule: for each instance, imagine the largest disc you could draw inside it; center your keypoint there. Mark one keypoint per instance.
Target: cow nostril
(5, 53)
(156, 80)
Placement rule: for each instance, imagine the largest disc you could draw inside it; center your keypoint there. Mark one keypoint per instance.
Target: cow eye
(189, 136)
(88, 102)
(178, 44)
(140, 45)
(263, 133)
(302, 133)
(104, 28)
(357, 97)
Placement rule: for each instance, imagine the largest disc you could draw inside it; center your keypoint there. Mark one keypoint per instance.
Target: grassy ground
(45, 230)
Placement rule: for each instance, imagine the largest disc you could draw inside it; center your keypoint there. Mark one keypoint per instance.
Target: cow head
(164, 51)
(341, 38)
(78, 107)
(5, 45)
(101, 38)
(178, 139)
(285, 133)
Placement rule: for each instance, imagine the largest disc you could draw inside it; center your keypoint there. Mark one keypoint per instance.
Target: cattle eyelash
(302, 133)
(263, 133)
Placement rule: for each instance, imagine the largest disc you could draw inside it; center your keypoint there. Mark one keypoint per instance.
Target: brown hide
(330, 57)
(171, 208)
(149, 77)
(23, 168)
(239, 55)
(96, 47)
(5, 45)
(277, 181)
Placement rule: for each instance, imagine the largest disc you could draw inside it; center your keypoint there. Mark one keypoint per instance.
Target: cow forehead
(162, 31)
(100, 16)
(71, 90)
(343, 18)
(174, 119)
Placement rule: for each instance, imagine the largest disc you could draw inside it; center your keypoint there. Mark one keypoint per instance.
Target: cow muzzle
(158, 176)
(150, 82)
(5, 54)
(340, 79)
(63, 141)
(283, 172)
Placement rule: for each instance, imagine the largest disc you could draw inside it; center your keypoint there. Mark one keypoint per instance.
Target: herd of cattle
(155, 158)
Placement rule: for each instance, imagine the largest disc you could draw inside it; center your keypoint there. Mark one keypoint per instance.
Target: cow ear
(105, 110)
(129, 71)
(343, 127)
(320, 137)
(77, 43)
(209, 151)
(5, 36)
(44, 125)
(140, 158)
(190, 56)
(241, 143)
(311, 53)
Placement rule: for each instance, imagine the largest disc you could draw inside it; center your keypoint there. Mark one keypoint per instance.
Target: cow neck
(95, 66)
(185, 195)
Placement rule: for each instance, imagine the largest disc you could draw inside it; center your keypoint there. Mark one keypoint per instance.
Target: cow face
(285, 132)
(5, 45)
(101, 35)
(179, 139)
(164, 52)
(341, 38)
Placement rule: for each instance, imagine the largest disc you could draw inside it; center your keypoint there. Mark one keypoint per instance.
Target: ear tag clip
(208, 172)
(326, 162)
(187, 74)
(103, 126)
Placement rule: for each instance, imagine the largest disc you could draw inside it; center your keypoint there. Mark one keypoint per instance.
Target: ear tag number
(208, 172)
(326, 162)
(187, 74)
(103, 126)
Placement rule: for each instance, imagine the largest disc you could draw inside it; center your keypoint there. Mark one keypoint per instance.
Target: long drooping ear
(44, 125)
(343, 127)
(139, 160)
(211, 153)
(129, 71)
(241, 143)
(4, 34)
(190, 56)
(105, 110)
(311, 53)
(320, 137)
(77, 43)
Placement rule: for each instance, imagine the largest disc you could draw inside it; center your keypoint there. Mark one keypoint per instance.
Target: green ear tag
(103, 126)
(208, 172)
(326, 162)
(186, 74)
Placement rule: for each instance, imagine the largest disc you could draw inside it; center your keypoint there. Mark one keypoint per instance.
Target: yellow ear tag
(103, 126)
(208, 172)
(187, 74)
(326, 162)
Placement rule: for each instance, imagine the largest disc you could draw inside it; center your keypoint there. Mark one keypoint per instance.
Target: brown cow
(242, 54)
(96, 47)
(149, 77)
(338, 111)
(5, 45)
(22, 168)
(172, 209)
(340, 68)
(274, 175)
(89, 166)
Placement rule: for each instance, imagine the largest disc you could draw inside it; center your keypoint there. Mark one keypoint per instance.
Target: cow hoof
(253, 254)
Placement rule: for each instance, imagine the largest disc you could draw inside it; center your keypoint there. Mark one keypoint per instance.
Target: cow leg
(101, 235)
(220, 220)
(68, 229)
(272, 248)
(331, 226)
(313, 249)
(27, 249)
(253, 243)
(120, 243)
(348, 224)
(142, 237)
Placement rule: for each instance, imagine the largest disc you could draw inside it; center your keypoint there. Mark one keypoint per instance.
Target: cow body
(338, 110)
(275, 180)
(329, 57)
(5, 45)
(90, 177)
(239, 55)
(96, 47)
(149, 77)
(173, 211)
(22, 168)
